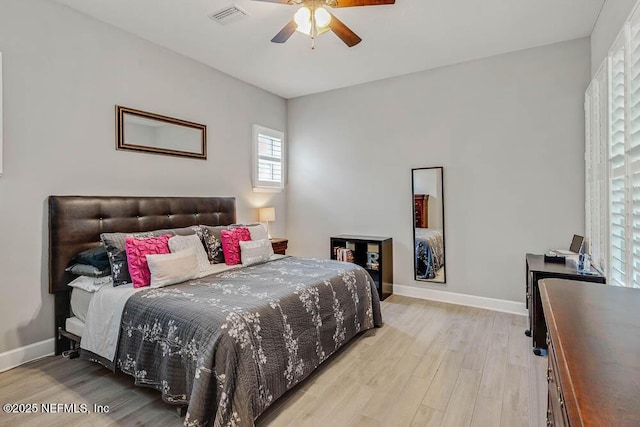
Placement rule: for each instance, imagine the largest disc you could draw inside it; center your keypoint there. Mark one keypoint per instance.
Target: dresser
(594, 353)
(538, 269)
(421, 210)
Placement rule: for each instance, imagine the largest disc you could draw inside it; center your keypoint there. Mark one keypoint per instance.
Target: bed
(228, 344)
(429, 252)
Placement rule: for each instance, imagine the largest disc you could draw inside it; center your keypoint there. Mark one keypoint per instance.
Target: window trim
(265, 186)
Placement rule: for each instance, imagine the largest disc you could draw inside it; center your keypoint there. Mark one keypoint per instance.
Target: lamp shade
(267, 214)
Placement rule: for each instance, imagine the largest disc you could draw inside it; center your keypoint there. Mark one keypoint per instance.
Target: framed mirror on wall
(146, 132)
(428, 224)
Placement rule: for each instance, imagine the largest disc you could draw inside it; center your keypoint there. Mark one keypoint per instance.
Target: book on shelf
(343, 254)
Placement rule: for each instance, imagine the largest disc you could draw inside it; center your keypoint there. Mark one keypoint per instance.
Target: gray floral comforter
(229, 345)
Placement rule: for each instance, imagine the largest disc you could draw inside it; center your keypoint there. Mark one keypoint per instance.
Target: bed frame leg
(71, 354)
(181, 410)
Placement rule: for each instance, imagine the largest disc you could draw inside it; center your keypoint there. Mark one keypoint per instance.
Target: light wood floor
(432, 364)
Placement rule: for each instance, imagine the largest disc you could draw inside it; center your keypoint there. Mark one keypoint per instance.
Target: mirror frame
(122, 145)
(413, 226)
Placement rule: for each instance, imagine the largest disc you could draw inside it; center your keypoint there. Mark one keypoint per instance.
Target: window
(617, 190)
(595, 156)
(268, 159)
(632, 154)
(612, 160)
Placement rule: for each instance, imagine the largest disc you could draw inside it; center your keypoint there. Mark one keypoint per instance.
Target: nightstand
(279, 245)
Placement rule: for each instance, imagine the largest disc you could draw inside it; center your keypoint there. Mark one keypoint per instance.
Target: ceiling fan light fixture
(323, 18)
(313, 19)
(303, 17)
(305, 28)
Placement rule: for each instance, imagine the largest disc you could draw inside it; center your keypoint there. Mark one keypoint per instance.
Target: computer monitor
(576, 243)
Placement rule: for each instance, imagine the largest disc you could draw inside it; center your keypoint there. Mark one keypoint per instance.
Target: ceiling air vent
(228, 14)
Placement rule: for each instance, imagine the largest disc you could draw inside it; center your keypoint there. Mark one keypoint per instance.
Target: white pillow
(258, 232)
(168, 269)
(91, 284)
(180, 243)
(255, 251)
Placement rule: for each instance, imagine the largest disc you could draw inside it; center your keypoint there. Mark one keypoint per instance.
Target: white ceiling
(410, 36)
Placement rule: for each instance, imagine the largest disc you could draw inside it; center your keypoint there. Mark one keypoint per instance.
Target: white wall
(63, 74)
(509, 131)
(612, 16)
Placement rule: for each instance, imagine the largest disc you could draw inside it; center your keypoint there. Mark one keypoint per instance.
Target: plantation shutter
(596, 207)
(588, 182)
(268, 158)
(600, 173)
(632, 153)
(617, 196)
(612, 159)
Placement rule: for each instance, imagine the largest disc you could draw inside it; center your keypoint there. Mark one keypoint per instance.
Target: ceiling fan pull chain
(314, 30)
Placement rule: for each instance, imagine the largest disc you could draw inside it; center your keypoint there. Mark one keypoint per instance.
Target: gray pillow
(116, 249)
(255, 251)
(88, 270)
(181, 243)
(96, 256)
(258, 232)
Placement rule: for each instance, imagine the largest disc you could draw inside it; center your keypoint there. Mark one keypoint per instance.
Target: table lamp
(267, 215)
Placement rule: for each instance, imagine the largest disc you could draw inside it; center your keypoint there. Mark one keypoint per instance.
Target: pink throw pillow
(231, 243)
(137, 249)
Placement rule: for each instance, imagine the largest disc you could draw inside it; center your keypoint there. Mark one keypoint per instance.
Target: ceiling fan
(313, 19)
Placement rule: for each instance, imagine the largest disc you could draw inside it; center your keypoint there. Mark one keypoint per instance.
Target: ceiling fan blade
(277, 1)
(346, 35)
(286, 32)
(354, 3)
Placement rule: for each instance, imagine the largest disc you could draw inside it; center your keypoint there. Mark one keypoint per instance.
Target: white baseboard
(21, 355)
(494, 304)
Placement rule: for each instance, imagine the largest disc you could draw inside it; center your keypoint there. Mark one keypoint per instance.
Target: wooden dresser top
(595, 330)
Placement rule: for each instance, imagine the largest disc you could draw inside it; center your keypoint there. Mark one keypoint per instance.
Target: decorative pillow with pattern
(137, 249)
(115, 246)
(211, 238)
(255, 251)
(231, 243)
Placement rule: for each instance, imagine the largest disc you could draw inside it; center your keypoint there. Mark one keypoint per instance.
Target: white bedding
(75, 326)
(102, 324)
(80, 300)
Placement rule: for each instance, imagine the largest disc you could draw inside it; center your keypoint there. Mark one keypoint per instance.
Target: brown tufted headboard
(75, 222)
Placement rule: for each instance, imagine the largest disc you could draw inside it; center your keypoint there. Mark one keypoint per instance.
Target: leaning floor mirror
(428, 224)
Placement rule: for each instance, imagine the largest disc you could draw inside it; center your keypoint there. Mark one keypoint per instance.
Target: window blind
(269, 159)
(617, 197)
(588, 181)
(612, 159)
(595, 168)
(601, 167)
(632, 153)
